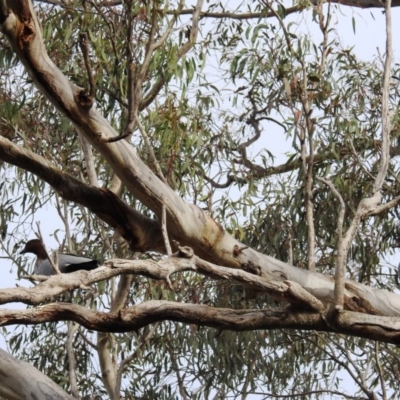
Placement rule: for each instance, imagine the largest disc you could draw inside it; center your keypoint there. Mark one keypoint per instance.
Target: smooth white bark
(19, 380)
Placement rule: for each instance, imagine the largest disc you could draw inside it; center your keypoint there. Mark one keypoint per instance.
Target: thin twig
(63, 214)
(88, 341)
(249, 377)
(346, 365)
(378, 365)
(179, 378)
(117, 138)
(134, 355)
(54, 264)
(361, 164)
(164, 230)
(89, 161)
(150, 150)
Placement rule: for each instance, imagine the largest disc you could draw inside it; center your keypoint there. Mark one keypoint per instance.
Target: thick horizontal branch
(149, 312)
(371, 327)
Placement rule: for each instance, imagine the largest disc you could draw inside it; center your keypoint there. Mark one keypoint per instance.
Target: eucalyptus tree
(146, 127)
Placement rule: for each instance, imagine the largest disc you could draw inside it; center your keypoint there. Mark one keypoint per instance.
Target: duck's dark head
(36, 247)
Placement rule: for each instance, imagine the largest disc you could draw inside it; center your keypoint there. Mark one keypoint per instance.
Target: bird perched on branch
(66, 262)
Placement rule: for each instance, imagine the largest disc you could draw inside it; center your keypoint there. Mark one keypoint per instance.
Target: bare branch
(345, 365)
(114, 139)
(341, 255)
(150, 150)
(385, 329)
(165, 231)
(194, 29)
(386, 115)
(106, 350)
(125, 362)
(72, 328)
(273, 281)
(89, 161)
(175, 366)
(62, 212)
(286, 291)
(230, 179)
(383, 207)
(57, 284)
(234, 15)
(257, 171)
(89, 342)
(17, 378)
(380, 372)
(153, 92)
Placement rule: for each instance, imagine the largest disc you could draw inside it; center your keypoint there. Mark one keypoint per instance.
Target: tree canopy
(226, 270)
